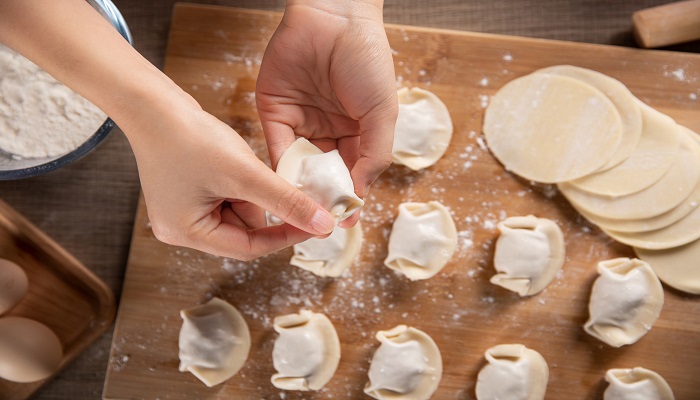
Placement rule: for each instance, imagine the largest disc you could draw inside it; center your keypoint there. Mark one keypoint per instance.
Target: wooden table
(89, 206)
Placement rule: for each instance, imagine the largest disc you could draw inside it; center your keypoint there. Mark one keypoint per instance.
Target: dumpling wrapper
(406, 366)
(306, 352)
(677, 267)
(513, 372)
(625, 301)
(214, 341)
(322, 176)
(423, 239)
(423, 129)
(651, 159)
(636, 384)
(551, 128)
(660, 197)
(624, 101)
(529, 253)
(330, 256)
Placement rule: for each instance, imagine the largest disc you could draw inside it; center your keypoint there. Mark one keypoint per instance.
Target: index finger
(232, 241)
(376, 141)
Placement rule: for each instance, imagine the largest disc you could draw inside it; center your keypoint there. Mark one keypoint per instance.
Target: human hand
(327, 75)
(205, 188)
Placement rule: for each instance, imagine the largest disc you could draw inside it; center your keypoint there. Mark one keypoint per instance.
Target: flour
(40, 117)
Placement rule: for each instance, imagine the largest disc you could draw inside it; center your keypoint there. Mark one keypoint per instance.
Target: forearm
(72, 42)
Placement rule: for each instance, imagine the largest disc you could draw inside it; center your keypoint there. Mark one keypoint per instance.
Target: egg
(13, 285)
(29, 350)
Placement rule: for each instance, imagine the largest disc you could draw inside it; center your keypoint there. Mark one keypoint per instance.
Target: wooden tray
(214, 54)
(63, 294)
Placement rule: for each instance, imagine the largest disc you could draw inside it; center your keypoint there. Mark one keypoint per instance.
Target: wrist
(343, 8)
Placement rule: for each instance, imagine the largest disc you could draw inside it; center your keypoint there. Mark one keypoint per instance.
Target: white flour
(40, 117)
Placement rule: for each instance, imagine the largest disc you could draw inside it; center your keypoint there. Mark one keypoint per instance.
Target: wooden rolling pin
(668, 24)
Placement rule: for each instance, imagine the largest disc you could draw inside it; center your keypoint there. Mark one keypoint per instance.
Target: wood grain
(214, 54)
(62, 293)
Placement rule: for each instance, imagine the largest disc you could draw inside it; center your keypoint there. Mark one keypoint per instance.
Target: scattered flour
(679, 74)
(40, 117)
(484, 100)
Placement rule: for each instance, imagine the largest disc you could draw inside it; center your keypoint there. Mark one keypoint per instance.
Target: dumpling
(330, 256)
(626, 300)
(636, 384)
(513, 372)
(406, 366)
(306, 352)
(529, 253)
(214, 341)
(423, 129)
(422, 240)
(322, 176)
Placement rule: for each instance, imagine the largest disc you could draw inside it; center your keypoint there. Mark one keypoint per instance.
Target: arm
(196, 172)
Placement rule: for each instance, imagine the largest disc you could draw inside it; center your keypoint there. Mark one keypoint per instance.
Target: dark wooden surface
(89, 206)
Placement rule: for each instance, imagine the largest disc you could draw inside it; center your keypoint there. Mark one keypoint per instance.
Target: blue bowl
(14, 168)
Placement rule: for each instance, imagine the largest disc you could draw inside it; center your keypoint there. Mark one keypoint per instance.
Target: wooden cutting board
(214, 53)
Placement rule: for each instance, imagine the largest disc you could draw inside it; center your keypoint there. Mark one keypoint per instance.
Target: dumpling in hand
(626, 300)
(513, 372)
(322, 176)
(306, 352)
(423, 239)
(406, 366)
(529, 253)
(330, 256)
(636, 384)
(214, 341)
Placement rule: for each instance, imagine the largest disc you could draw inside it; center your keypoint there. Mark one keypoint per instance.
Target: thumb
(288, 203)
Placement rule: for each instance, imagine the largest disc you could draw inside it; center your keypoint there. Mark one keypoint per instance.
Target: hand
(206, 189)
(327, 75)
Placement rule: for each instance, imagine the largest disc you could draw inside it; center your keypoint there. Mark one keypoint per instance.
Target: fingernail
(322, 222)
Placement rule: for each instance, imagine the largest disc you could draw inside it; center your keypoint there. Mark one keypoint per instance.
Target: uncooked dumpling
(330, 256)
(423, 129)
(551, 128)
(423, 239)
(29, 350)
(214, 341)
(636, 384)
(406, 366)
(529, 253)
(322, 176)
(513, 372)
(306, 352)
(626, 300)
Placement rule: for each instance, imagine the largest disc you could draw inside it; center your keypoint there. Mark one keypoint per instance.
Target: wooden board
(214, 54)
(63, 294)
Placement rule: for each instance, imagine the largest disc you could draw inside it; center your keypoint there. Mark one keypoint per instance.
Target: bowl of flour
(44, 124)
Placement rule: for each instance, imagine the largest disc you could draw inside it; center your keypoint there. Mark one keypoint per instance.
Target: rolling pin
(667, 24)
